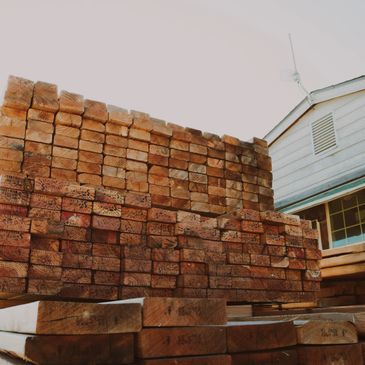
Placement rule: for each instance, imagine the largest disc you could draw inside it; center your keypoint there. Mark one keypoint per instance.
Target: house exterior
(318, 157)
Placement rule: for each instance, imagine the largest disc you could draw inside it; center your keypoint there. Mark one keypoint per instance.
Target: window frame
(328, 218)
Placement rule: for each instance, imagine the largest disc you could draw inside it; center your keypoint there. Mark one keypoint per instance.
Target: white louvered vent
(323, 134)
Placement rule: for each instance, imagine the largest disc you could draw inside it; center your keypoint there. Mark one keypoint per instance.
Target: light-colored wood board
(341, 260)
(67, 318)
(239, 311)
(343, 250)
(341, 271)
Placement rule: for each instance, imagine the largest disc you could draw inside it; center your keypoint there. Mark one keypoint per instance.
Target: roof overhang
(315, 97)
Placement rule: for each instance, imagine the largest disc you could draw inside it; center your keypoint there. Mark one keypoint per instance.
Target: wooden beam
(330, 355)
(325, 332)
(175, 312)
(352, 258)
(70, 318)
(70, 350)
(196, 360)
(282, 357)
(339, 271)
(180, 341)
(255, 336)
(341, 250)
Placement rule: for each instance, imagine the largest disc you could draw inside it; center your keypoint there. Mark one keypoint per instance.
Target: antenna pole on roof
(296, 75)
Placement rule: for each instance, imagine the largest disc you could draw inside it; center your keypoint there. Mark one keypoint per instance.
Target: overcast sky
(216, 65)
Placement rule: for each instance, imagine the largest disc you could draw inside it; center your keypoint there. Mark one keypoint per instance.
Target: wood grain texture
(71, 350)
(325, 332)
(279, 357)
(67, 318)
(196, 360)
(255, 336)
(330, 355)
(169, 312)
(180, 341)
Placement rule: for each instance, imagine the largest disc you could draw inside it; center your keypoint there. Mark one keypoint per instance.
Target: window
(347, 219)
(323, 134)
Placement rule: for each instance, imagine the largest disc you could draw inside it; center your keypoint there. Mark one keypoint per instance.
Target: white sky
(214, 65)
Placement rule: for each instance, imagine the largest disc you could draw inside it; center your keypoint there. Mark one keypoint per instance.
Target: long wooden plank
(70, 350)
(343, 250)
(180, 341)
(352, 258)
(69, 318)
(175, 312)
(255, 336)
(196, 360)
(330, 355)
(344, 270)
(325, 332)
(279, 357)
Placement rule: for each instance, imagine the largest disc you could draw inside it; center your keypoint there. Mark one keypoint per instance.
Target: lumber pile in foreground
(169, 331)
(65, 240)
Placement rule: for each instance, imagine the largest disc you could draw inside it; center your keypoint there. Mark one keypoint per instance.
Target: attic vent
(323, 134)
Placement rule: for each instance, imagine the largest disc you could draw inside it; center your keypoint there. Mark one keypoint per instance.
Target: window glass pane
(354, 234)
(349, 201)
(361, 196)
(339, 238)
(337, 221)
(335, 206)
(351, 217)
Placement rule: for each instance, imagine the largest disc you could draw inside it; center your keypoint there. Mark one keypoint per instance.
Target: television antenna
(295, 75)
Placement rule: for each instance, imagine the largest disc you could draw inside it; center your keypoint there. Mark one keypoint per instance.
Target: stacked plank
(343, 271)
(317, 338)
(182, 331)
(76, 241)
(55, 333)
(44, 134)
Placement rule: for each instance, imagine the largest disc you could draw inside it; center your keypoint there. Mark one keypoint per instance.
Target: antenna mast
(296, 75)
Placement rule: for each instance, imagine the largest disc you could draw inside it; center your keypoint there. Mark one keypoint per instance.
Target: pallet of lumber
(95, 243)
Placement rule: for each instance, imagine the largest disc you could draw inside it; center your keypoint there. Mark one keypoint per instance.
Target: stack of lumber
(182, 332)
(169, 331)
(76, 241)
(343, 273)
(323, 338)
(44, 134)
(58, 333)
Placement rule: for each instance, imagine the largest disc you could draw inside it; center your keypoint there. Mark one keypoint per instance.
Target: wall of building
(298, 173)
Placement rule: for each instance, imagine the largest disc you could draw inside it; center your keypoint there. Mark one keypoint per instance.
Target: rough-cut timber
(174, 312)
(325, 332)
(100, 203)
(278, 357)
(180, 341)
(71, 350)
(255, 336)
(196, 360)
(57, 318)
(330, 355)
